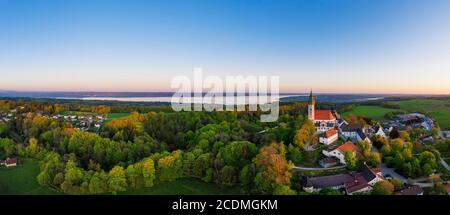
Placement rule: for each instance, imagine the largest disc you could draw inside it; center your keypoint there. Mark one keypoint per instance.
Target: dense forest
(229, 148)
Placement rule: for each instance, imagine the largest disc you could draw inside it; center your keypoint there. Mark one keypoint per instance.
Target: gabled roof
(358, 183)
(323, 115)
(351, 127)
(348, 146)
(10, 161)
(361, 134)
(330, 132)
(368, 173)
(328, 181)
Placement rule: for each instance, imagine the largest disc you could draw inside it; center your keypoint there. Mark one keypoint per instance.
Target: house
(338, 151)
(352, 183)
(363, 181)
(413, 190)
(323, 120)
(328, 137)
(9, 162)
(415, 120)
(377, 130)
(332, 181)
(329, 162)
(354, 131)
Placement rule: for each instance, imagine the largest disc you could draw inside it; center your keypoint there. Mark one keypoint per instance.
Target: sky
(346, 46)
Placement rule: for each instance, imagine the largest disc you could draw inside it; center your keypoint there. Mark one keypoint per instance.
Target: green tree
(350, 160)
(283, 190)
(383, 188)
(117, 179)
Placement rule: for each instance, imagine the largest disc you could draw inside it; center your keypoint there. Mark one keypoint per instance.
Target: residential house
(354, 132)
(316, 184)
(329, 137)
(363, 181)
(338, 151)
(9, 162)
(377, 130)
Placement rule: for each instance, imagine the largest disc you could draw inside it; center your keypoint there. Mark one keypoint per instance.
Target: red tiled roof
(358, 183)
(447, 187)
(10, 161)
(323, 115)
(348, 146)
(330, 133)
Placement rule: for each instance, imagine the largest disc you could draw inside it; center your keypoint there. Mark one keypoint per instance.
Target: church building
(323, 119)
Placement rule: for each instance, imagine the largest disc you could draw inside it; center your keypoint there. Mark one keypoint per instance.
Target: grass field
(373, 112)
(185, 186)
(21, 180)
(112, 116)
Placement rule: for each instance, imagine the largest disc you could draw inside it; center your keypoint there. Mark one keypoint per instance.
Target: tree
(329, 191)
(350, 160)
(272, 167)
(170, 167)
(398, 185)
(238, 153)
(247, 175)
(283, 190)
(373, 159)
(304, 134)
(132, 176)
(148, 172)
(294, 154)
(383, 188)
(117, 179)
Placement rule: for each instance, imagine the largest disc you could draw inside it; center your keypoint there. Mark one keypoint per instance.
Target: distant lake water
(205, 100)
(167, 96)
(337, 98)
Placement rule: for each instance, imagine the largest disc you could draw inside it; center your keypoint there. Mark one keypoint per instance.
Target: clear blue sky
(327, 45)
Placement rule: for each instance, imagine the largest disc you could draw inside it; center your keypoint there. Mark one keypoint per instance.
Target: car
(388, 176)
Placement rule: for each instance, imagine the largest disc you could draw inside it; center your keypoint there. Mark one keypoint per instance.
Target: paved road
(445, 164)
(299, 168)
(386, 170)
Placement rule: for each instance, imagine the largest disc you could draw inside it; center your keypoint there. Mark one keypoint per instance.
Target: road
(445, 164)
(386, 170)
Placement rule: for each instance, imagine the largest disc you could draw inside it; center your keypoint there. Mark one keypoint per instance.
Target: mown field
(112, 116)
(21, 180)
(438, 109)
(186, 186)
(373, 112)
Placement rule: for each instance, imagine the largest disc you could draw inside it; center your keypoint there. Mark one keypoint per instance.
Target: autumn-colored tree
(272, 168)
(383, 188)
(304, 134)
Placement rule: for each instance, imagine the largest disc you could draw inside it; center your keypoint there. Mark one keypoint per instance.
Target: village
(86, 122)
(339, 140)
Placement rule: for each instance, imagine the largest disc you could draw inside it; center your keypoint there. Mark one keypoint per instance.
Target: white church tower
(311, 109)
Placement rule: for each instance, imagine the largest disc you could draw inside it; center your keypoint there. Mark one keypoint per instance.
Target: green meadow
(112, 116)
(373, 112)
(21, 180)
(185, 186)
